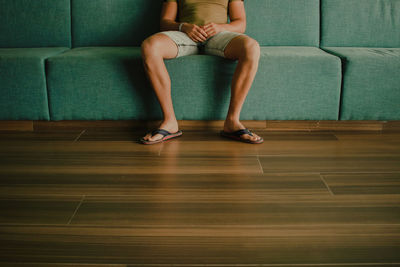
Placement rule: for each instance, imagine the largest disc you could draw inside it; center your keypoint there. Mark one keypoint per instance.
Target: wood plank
(66, 135)
(192, 143)
(272, 125)
(332, 164)
(229, 245)
(196, 265)
(214, 135)
(16, 125)
(93, 124)
(210, 134)
(111, 135)
(135, 124)
(125, 164)
(324, 125)
(37, 209)
(371, 137)
(185, 185)
(53, 264)
(29, 149)
(290, 125)
(241, 209)
(286, 146)
(350, 125)
(363, 183)
(217, 124)
(391, 126)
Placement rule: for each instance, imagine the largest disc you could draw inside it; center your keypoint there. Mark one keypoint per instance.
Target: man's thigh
(217, 44)
(185, 45)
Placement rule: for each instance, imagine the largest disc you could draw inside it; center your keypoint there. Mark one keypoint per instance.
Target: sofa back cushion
(368, 23)
(27, 23)
(114, 22)
(129, 22)
(283, 22)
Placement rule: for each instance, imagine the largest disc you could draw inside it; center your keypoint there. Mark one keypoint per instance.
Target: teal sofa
(80, 60)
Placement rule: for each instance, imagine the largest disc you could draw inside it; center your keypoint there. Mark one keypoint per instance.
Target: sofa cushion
(102, 83)
(27, 23)
(114, 22)
(23, 85)
(283, 22)
(366, 23)
(294, 83)
(97, 83)
(371, 83)
(128, 23)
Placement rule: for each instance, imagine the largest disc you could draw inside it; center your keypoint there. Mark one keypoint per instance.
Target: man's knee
(149, 47)
(251, 49)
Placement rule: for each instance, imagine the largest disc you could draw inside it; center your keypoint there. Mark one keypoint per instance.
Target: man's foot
(170, 126)
(233, 126)
(166, 136)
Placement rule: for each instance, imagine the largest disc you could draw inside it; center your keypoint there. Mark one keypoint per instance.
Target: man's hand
(196, 33)
(212, 29)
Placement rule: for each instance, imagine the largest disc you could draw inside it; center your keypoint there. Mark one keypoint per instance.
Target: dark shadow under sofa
(80, 60)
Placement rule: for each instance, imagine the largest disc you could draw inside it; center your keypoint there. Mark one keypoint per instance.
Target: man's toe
(146, 137)
(255, 137)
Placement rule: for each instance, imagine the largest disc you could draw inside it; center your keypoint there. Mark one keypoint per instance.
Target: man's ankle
(170, 121)
(231, 120)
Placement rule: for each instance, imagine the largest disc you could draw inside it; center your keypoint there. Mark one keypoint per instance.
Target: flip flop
(237, 136)
(166, 136)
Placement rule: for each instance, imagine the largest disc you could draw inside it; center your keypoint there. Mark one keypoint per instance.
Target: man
(201, 24)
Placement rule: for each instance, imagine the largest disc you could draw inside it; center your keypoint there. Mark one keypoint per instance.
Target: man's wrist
(181, 26)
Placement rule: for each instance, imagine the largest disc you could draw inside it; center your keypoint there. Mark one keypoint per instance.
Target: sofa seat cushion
(102, 83)
(371, 84)
(295, 83)
(23, 84)
(99, 83)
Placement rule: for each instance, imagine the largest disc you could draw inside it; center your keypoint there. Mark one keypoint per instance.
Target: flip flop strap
(243, 131)
(160, 131)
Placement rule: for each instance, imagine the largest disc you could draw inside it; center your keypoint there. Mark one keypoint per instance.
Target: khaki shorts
(212, 46)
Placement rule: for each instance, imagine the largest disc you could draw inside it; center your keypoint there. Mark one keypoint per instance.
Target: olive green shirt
(201, 12)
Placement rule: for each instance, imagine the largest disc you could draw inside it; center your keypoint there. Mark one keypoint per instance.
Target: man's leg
(155, 49)
(247, 51)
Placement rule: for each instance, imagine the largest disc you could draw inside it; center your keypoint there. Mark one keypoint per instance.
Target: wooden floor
(96, 197)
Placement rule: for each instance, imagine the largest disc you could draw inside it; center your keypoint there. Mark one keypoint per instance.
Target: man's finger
(200, 29)
(205, 29)
(202, 32)
(200, 36)
(196, 38)
(201, 39)
(209, 31)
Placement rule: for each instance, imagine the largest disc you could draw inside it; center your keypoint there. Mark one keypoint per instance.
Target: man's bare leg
(247, 51)
(155, 49)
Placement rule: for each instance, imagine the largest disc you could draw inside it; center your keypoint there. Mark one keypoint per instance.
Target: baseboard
(269, 125)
